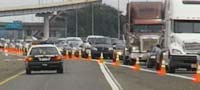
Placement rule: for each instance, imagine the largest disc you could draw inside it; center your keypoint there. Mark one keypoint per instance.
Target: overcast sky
(32, 18)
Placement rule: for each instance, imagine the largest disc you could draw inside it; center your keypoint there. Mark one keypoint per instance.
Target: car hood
(188, 37)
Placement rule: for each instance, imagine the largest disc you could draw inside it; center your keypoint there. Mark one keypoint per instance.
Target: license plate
(45, 65)
(153, 57)
(193, 65)
(44, 59)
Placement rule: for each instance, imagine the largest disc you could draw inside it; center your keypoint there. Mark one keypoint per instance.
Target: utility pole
(66, 26)
(129, 16)
(76, 22)
(92, 19)
(118, 13)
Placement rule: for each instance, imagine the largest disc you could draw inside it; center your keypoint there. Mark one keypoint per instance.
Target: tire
(60, 70)
(149, 64)
(125, 62)
(171, 69)
(132, 62)
(158, 66)
(28, 71)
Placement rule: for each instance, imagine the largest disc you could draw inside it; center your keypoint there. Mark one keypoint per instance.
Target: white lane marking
(152, 71)
(11, 78)
(108, 77)
(112, 76)
(12, 60)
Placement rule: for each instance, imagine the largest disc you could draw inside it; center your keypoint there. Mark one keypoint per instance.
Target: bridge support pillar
(46, 27)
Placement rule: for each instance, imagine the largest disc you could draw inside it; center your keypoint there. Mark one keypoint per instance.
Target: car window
(44, 51)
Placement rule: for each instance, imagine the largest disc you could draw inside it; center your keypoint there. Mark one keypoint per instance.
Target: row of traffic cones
(12, 51)
(74, 57)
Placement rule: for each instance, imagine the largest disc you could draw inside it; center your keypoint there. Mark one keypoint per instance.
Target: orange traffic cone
(117, 61)
(196, 77)
(80, 54)
(136, 67)
(114, 58)
(162, 70)
(73, 55)
(101, 58)
(6, 52)
(89, 57)
(66, 54)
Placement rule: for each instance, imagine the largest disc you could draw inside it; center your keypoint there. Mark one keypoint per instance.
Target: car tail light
(57, 58)
(28, 59)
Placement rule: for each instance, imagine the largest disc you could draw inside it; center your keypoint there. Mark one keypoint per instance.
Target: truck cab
(182, 37)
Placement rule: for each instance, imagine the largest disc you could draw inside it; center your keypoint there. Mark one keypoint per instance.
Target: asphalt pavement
(10, 65)
(78, 75)
(140, 80)
(88, 75)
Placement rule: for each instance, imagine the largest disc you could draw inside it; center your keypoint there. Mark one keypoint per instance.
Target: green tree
(105, 21)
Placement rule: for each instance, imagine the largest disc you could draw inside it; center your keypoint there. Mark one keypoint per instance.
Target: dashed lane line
(108, 77)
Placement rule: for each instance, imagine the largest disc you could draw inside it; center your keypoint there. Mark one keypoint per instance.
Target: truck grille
(102, 49)
(148, 43)
(192, 46)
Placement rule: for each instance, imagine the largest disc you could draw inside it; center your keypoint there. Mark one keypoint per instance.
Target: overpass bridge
(46, 10)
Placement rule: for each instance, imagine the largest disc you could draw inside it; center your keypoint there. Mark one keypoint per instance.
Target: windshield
(146, 28)
(44, 51)
(187, 26)
(74, 40)
(99, 40)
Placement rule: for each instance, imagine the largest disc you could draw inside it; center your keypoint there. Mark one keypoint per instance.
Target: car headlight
(132, 56)
(110, 49)
(119, 53)
(94, 48)
(176, 51)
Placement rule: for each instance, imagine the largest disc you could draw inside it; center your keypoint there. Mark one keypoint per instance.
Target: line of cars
(47, 55)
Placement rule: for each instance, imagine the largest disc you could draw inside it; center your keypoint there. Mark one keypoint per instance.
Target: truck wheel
(149, 64)
(126, 62)
(158, 66)
(132, 62)
(28, 71)
(171, 69)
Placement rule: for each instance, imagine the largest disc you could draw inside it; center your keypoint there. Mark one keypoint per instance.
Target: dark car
(100, 44)
(43, 57)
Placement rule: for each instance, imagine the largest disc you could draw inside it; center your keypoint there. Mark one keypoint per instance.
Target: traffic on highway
(95, 45)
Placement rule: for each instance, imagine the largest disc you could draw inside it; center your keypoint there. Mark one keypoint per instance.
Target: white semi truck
(182, 36)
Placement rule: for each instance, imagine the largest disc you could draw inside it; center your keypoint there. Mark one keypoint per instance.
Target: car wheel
(126, 62)
(28, 71)
(60, 70)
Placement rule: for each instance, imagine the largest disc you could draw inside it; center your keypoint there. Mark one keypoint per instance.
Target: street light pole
(92, 19)
(76, 22)
(118, 13)
(129, 16)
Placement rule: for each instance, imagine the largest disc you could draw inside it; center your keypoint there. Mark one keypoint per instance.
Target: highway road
(86, 75)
